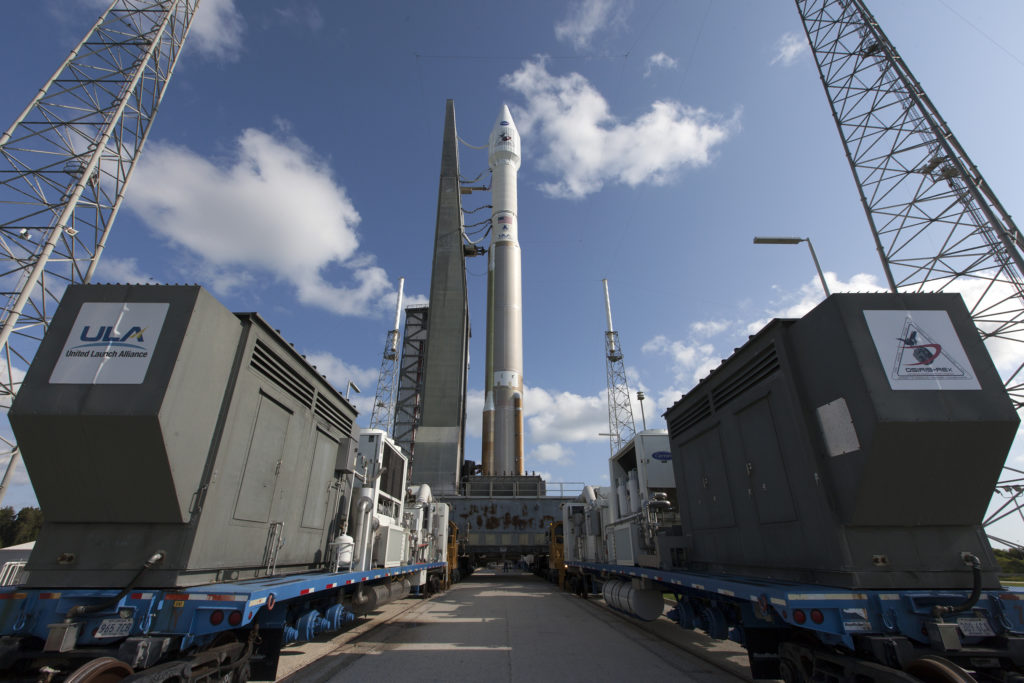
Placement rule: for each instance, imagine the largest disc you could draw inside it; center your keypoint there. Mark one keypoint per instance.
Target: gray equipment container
(154, 419)
(858, 446)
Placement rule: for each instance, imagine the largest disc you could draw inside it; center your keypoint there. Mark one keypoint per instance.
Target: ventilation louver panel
(274, 368)
(760, 368)
(332, 415)
(695, 414)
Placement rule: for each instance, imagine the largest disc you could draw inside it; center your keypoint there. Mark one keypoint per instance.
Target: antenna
(621, 426)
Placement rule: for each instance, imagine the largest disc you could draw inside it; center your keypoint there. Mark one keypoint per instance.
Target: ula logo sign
(110, 343)
(106, 335)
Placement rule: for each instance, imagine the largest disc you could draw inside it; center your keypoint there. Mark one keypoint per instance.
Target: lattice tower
(937, 224)
(387, 379)
(64, 165)
(621, 426)
(409, 403)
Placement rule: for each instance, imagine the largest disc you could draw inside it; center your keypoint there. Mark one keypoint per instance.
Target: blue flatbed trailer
(280, 609)
(819, 627)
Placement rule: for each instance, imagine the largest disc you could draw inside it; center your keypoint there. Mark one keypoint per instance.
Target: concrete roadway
(511, 627)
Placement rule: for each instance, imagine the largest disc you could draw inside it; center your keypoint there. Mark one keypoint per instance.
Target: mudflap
(763, 653)
(267, 651)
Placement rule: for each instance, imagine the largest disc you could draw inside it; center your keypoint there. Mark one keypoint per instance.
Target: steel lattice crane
(936, 222)
(620, 409)
(387, 380)
(64, 165)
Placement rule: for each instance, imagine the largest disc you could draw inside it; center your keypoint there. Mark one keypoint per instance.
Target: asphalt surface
(511, 627)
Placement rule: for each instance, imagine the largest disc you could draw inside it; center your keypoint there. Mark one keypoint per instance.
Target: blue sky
(293, 170)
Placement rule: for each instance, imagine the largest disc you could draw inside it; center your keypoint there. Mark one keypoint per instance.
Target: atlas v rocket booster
(503, 391)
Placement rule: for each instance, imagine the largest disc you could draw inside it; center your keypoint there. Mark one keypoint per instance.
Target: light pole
(351, 386)
(640, 397)
(797, 240)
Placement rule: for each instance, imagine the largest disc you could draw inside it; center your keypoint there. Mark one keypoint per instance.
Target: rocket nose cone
(504, 141)
(504, 118)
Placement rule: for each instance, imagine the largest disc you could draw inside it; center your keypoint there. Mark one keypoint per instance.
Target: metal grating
(278, 372)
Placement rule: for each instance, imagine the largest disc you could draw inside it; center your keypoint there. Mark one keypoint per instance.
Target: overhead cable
(472, 146)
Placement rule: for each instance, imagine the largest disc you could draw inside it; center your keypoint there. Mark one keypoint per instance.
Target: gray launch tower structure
(439, 441)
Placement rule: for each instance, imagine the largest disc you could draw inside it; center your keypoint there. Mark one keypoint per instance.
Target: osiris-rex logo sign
(920, 349)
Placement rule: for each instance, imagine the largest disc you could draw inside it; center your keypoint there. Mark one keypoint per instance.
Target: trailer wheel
(102, 670)
(933, 669)
(789, 671)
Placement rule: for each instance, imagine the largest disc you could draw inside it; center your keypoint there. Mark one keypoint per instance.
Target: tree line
(19, 527)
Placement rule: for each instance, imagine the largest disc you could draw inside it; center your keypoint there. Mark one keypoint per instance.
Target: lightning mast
(937, 224)
(387, 379)
(64, 165)
(621, 426)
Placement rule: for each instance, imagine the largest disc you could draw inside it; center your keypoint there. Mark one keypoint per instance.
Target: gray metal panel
(707, 493)
(101, 452)
(319, 480)
(262, 462)
(894, 511)
(767, 478)
(964, 434)
(231, 439)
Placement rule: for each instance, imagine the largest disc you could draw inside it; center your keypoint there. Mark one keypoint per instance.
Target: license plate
(974, 626)
(114, 628)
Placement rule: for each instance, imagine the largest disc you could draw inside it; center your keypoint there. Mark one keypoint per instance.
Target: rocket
(502, 448)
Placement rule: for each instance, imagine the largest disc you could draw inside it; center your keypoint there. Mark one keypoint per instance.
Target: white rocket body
(504, 364)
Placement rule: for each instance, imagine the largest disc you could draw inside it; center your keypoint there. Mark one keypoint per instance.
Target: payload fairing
(503, 391)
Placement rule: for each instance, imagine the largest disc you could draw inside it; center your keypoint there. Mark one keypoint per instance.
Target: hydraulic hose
(81, 610)
(972, 599)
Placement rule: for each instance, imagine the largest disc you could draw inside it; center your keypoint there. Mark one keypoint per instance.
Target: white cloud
(550, 452)
(690, 360)
(120, 270)
(564, 416)
(10, 376)
(217, 30)
(788, 48)
(274, 208)
(307, 17)
(474, 413)
(659, 60)
(810, 294)
(587, 147)
(1000, 303)
(586, 18)
(339, 374)
(710, 328)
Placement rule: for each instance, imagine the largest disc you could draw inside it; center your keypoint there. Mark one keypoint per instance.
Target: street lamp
(351, 386)
(640, 397)
(797, 240)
